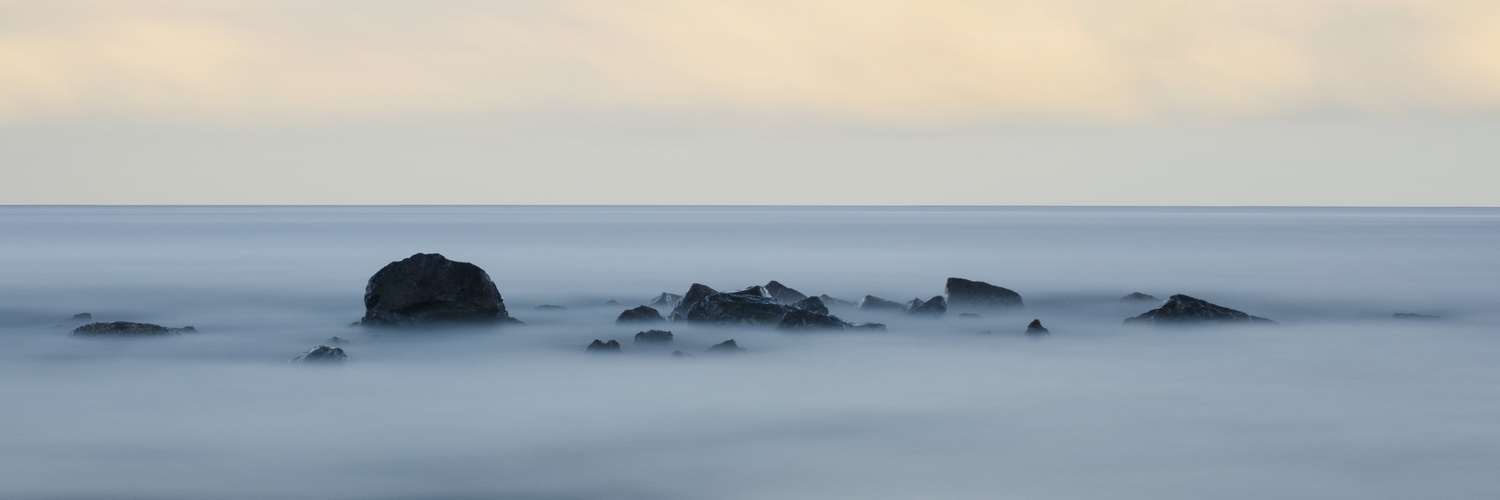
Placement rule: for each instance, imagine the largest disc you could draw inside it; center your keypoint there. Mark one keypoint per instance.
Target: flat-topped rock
(427, 289)
(969, 294)
(128, 329)
(642, 314)
(1182, 309)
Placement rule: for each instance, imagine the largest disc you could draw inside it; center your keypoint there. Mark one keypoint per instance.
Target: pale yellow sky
(312, 84)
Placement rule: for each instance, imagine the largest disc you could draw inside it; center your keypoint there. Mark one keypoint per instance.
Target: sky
(871, 102)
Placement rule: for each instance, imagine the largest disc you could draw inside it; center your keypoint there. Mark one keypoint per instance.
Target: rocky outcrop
(726, 347)
(665, 301)
(935, 306)
(1036, 328)
(833, 302)
(967, 294)
(128, 329)
(642, 314)
(653, 337)
(599, 346)
(1138, 297)
(694, 295)
(813, 304)
(1182, 309)
(780, 293)
(322, 354)
(802, 319)
(737, 308)
(873, 303)
(427, 289)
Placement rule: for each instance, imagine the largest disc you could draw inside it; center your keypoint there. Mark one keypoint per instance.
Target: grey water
(1338, 401)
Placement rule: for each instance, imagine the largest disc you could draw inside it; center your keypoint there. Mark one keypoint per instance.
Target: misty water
(1338, 401)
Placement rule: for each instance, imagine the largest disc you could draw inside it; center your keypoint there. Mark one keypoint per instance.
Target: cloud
(874, 60)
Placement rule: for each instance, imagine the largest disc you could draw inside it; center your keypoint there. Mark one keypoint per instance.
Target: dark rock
(1415, 316)
(754, 291)
(665, 301)
(1182, 309)
(832, 302)
(127, 329)
(737, 309)
(727, 346)
(611, 302)
(782, 294)
(802, 319)
(642, 314)
(1036, 328)
(872, 327)
(1138, 297)
(969, 315)
(603, 347)
(429, 289)
(966, 294)
(336, 341)
(694, 295)
(84, 316)
(653, 337)
(680, 354)
(935, 306)
(813, 304)
(873, 303)
(549, 307)
(322, 354)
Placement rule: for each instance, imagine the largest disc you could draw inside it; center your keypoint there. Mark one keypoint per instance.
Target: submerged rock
(727, 346)
(600, 346)
(969, 315)
(1138, 297)
(935, 306)
(833, 302)
(549, 307)
(335, 341)
(813, 304)
(322, 354)
(1411, 316)
(611, 302)
(128, 329)
(653, 337)
(665, 301)
(680, 354)
(84, 316)
(872, 327)
(1182, 309)
(1036, 328)
(803, 319)
(968, 294)
(694, 295)
(781, 293)
(428, 289)
(642, 314)
(737, 309)
(873, 303)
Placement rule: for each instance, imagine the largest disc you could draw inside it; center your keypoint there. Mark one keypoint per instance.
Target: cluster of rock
(655, 338)
(773, 304)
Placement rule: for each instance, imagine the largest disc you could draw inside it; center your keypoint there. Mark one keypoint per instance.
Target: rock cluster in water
(1182, 309)
(427, 289)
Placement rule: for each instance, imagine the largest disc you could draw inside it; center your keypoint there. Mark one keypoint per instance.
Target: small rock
(873, 303)
(549, 307)
(1182, 309)
(967, 294)
(127, 329)
(665, 301)
(322, 354)
(84, 316)
(969, 315)
(642, 314)
(600, 346)
(1415, 316)
(653, 337)
(934, 307)
(727, 346)
(813, 304)
(336, 341)
(782, 294)
(1036, 328)
(1138, 297)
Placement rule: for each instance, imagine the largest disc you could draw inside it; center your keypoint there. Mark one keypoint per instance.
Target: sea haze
(1338, 401)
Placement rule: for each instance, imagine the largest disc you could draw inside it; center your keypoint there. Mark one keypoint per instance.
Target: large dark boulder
(873, 303)
(782, 294)
(653, 337)
(694, 295)
(935, 306)
(602, 347)
(1182, 309)
(1036, 328)
(642, 314)
(128, 329)
(428, 289)
(967, 294)
(322, 354)
(737, 308)
(803, 319)
(813, 304)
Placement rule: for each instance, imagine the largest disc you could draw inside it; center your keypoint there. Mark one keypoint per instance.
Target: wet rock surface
(1182, 309)
(969, 294)
(600, 346)
(427, 289)
(322, 354)
(653, 337)
(1036, 328)
(642, 314)
(128, 329)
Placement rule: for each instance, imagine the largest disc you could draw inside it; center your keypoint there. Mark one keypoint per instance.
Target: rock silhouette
(1182, 309)
(128, 329)
(642, 314)
(1036, 328)
(968, 294)
(428, 289)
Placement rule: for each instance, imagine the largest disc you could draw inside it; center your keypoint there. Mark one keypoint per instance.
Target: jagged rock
(737, 309)
(1411, 316)
(549, 307)
(873, 303)
(754, 291)
(782, 294)
(727, 346)
(428, 289)
(665, 301)
(1138, 297)
(603, 347)
(322, 354)
(653, 337)
(128, 329)
(694, 295)
(335, 341)
(1182, 309)
(969, 315)
(967, 294)
(84, 316)
(802, 319)
(813, 304)
(642, 314)
(935, 306)
(833, 302)
(874, 327)
(1036, 328)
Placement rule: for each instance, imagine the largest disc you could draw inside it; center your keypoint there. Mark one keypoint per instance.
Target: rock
(642, 314)
(1138, 297)
(935, 306)
(832, 302)
(128, 329)
(336, 341)
(665, 301)
(1182, 309)
(1410, 316)
(680, 354)
(548, 307)
(84, 316)
(873, 303)
(694, 295)
(966, 294)
(428, 289)
(611, 302)
(600, 346)
(813, 304)
(322, 354)
(754, 291)
(782, 294)
(653, 337)
(737, 309)
(1036, 328)
(969, 315)
(727, 346)
(872, 327)
(803, 319)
